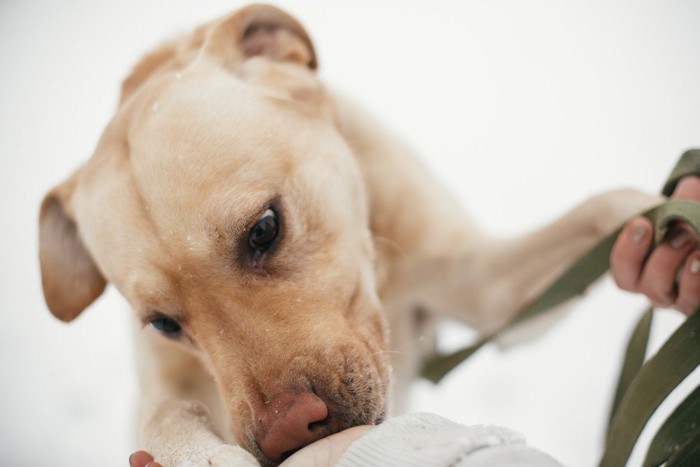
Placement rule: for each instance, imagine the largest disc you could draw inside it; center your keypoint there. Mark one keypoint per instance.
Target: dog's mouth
(312, 399)
(265, 461)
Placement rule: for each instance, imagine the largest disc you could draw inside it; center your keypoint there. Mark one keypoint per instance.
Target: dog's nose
(295, 421)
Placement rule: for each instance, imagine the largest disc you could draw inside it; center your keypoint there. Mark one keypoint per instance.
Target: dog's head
(223, 203)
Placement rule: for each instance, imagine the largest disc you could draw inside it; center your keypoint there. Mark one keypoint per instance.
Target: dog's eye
(264, 232)
(166, 326)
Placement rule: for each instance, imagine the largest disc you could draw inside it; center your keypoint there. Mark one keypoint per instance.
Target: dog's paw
(226, 455)
(609, 210)
(221, 456)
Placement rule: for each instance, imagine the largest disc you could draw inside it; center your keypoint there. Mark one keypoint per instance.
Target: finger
(688, 188)
(658, 280)
(629, 252)
(326, 451)
(140, 459)
(689, 288)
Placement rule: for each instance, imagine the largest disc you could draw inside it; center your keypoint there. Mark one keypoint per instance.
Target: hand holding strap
(641, 388)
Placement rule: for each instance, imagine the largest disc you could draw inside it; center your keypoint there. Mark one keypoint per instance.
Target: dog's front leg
(519, 270)
(181, 416)
(485, 282)
(180, 433)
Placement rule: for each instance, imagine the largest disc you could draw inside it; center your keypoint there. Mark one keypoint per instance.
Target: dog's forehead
(211, 135)
(211, 121)
(209, 152)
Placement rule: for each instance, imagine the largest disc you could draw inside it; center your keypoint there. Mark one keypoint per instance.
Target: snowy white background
(524, 108)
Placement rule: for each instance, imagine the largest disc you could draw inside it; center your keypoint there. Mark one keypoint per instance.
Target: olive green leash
(641, 386)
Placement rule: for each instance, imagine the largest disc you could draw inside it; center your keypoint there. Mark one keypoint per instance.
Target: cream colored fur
(212, 130)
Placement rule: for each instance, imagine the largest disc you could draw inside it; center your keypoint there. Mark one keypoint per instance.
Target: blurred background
(523, 108)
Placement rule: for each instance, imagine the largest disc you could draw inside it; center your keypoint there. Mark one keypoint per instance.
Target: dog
(268, 234)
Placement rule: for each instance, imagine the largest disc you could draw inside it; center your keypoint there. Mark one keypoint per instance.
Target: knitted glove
(428, 440)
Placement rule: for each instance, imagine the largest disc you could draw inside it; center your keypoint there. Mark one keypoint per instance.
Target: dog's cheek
(371, 328)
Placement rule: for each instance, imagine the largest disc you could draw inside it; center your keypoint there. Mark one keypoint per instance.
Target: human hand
(326, 451)
(142, 459)
(669, 275)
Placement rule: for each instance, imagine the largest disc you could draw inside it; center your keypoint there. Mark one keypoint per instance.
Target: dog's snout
(292, 423)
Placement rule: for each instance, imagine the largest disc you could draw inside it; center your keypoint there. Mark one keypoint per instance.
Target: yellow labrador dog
(267, 233)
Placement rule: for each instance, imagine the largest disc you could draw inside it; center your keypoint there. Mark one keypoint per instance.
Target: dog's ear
(256, 30)
(70, 278)
(262, 30)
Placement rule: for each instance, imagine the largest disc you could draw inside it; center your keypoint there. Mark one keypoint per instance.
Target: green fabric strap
(634, 359)
(573, 282)
(689, 164)
(642, 387)
(678, 430)
(688, 454)
(676, 359)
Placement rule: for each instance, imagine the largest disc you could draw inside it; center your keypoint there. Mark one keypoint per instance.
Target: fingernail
(639, 230)
(679, 238)
(695, 265)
